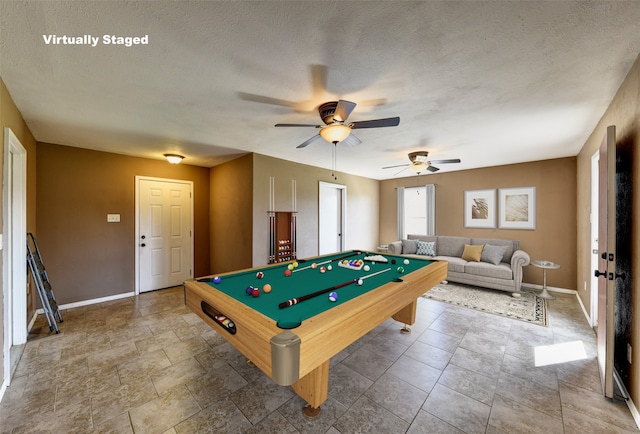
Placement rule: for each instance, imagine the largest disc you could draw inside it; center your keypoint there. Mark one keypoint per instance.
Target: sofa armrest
(395, 248)
(519, 259)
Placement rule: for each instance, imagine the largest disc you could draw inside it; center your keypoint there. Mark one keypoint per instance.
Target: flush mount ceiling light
(335, 133)
(173, 158)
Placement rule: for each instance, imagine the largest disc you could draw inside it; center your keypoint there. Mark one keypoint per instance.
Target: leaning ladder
(41, 280)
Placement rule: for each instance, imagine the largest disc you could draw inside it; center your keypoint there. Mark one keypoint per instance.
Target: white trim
(91, 301)
(14, 230)
(584, 309)
(139, 178)
(549, 288)
(594, 224)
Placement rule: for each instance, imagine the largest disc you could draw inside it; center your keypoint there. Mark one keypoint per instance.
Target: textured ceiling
(490, 83)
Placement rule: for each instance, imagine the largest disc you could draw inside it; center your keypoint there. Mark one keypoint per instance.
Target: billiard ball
(255, 292)
(290, 266)
(249, 290)
(314, 265)
(333, 296)
(259, 274)
(366, 268)
(287, 272)
(323, 269)
(266, 288)
(329, 268)
(400, 270)
(406, 262)
(359, 282)
(393, 261)
(295, 264)
(217, 279)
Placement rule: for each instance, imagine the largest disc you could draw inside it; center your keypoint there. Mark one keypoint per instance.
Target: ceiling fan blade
(432, 169)
(297, 125)
(454, 160)
(377, 123)
(397, 173)
(266, 100)
(352, 140)
(398, 165)
(308, 142)
(343, 110)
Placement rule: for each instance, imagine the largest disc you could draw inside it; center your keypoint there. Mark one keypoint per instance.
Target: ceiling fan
(420, 163)
(336, 129)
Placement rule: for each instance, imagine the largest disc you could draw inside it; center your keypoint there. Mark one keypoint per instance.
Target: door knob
(142, 245)
(143, 237)
(600, 273)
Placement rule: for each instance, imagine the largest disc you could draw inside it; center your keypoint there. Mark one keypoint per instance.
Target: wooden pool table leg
(406, 315)
(313, 388)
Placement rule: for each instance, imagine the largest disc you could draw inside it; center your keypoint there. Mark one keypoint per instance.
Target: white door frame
(137, 223)
(595, 224)
(14, 229)
(343, 211)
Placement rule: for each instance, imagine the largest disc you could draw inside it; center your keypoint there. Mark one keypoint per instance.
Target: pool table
(293, 342)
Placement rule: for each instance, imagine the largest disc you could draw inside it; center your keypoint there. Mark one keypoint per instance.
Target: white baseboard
(549, 288)
(92, 301)
(584, 309)
(3, 388)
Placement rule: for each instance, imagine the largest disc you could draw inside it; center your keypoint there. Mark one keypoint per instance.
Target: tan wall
(362, 205)
(10, 117)
(86, 257)
(231, 215)
(553, 239)
(624, 113)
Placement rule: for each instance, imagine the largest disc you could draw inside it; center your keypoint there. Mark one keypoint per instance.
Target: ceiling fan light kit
(335, 133)
(174, 158)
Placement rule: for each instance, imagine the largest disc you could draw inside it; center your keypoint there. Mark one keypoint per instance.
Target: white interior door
(607, 266)
(164, 234)
(331, 218)
(594, 219)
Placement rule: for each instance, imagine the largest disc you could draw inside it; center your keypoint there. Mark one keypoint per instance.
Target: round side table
(545, 265)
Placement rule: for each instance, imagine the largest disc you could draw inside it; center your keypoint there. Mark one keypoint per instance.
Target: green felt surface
(307, 281)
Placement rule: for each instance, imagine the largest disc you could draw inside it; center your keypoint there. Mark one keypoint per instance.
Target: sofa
(486, 262)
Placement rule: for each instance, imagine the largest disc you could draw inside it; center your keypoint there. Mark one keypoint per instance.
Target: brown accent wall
(231, 214)
(553, 239)
(624, 113)
(10, 117)
(86, 257)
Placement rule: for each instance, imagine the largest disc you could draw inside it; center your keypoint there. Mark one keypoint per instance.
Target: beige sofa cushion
(502, 271)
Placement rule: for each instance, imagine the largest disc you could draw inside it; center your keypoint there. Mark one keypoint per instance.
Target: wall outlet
(113, 218)
(629, 353)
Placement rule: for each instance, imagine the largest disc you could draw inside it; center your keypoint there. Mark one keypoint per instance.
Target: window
(416, 210)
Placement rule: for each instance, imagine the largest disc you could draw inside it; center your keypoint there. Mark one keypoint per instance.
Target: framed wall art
(480, 208)
(517, 208)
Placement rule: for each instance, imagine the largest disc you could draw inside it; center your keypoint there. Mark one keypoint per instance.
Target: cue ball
(249, 290)
(333, 296)
(322, 269)
(217, 279)
(255, 292)
(329, 268)
(259, 274)
(366, 268)
(400, 270)
(287, 272)
(359, 282)
(406, 262)
(266, 288)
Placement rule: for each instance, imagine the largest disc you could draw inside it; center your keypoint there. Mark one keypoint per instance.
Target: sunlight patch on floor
(559, 353)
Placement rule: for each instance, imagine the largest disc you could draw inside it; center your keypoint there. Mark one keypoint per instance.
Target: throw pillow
(409, 246)
(427, 248)
(493, 254)
(472, 252)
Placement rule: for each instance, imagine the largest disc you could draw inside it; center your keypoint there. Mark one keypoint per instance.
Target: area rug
(528, 307)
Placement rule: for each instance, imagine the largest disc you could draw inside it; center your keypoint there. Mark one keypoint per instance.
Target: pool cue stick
(324, 291)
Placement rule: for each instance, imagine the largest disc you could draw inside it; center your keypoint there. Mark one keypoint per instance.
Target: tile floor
(147, 365)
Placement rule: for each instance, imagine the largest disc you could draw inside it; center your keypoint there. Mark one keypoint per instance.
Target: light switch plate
(113, 218)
